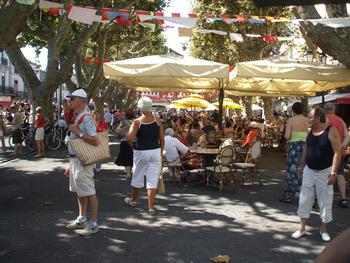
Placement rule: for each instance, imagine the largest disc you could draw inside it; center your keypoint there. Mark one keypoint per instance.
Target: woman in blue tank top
(146, 137)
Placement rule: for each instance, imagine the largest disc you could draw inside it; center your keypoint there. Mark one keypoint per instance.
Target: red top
(68, 116)
(101, 126)
(39, 121)
(249, 140)
(339, 124)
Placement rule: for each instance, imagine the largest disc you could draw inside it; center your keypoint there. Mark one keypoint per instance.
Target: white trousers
(316, 180)
(146, 163)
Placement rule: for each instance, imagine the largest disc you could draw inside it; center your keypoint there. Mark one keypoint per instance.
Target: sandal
(128, 201)
(151, 212)
(343, 203)
(286, 199)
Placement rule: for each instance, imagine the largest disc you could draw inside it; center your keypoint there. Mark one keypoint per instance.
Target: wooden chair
(177, 169)
(250, 163)
(222, 167)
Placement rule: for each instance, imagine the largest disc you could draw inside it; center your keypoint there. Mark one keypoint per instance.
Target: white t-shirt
(171, 147)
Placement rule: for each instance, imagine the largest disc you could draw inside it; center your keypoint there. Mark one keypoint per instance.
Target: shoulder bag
(90, 154)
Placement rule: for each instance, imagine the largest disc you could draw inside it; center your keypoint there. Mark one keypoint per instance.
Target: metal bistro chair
(250, 163)
(177, 169)
(222, 167)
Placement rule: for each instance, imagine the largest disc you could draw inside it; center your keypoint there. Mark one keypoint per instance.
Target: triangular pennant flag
(185, 32)
(182, 21)
(236, 37)
(213, 19)
(47, 4)
(256, 20)
(113, 14)
(206, 31)
(82, 15)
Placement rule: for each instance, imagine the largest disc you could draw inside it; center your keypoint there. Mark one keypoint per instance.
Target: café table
(208, 155)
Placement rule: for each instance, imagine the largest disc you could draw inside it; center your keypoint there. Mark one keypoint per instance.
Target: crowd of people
(314, 147)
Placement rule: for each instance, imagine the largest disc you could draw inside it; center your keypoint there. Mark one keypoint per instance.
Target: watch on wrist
(333, 173)
(81, 135)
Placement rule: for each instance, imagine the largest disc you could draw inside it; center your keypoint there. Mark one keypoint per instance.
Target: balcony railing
(5, 90)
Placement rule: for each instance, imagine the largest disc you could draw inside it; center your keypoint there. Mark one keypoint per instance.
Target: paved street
(193, 224)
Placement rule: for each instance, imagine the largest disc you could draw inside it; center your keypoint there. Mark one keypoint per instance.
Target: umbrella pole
(221, 100)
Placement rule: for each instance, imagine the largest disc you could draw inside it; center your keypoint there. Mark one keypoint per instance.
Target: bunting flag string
(188, 32)
(87, 15)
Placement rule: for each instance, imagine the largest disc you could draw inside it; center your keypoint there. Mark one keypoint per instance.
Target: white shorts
(81, 178)
(146, 163)
(39, 134)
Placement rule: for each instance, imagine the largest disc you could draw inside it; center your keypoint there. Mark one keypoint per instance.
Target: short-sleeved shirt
(17, 121)
(172, 146)
(87, 127)
(108, 117)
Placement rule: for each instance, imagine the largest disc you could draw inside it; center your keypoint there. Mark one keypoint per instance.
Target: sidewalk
(8, 156)
(191, 225)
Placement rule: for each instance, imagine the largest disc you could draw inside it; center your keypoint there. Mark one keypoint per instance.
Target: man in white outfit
(318, 167)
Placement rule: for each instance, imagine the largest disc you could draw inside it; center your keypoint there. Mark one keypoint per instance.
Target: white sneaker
(88, 230)
(77, 224)
(298, 234)
(325, 237)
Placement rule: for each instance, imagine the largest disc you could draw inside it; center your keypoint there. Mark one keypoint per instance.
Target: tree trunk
(268, 107)
(12, 20)
(332, 41)
(247, 102)
(305, 102)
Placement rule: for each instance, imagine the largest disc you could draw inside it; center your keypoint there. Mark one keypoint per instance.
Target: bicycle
(28, 137)
(54, 136)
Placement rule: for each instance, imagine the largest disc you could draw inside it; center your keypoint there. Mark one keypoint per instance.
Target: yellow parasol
(229, 104)
(192, 102)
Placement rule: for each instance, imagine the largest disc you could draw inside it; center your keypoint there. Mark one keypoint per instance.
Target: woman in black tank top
(148, 134)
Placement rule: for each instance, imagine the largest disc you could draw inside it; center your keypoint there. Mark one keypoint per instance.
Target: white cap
(78, 93)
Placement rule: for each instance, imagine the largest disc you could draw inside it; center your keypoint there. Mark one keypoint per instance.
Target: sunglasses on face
(72, 98)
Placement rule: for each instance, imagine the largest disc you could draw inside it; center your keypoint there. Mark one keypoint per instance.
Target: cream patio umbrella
(160, 72)
(285, 78)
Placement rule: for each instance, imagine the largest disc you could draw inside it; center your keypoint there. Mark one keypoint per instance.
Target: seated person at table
(209, 125)
(193, 133)
(173, 147)
(181, 131)
(248, 141)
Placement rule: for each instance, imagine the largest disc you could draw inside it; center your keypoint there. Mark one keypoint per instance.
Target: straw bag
(161, 186)
(90, 154)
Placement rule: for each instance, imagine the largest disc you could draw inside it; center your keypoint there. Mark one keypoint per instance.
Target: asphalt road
(193, 224)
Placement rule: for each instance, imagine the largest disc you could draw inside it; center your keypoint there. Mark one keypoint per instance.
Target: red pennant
(123, 21)
(175, 15)
(55, 11)
(88, 60)
(105, 60)
(269, 38)
(104, 13)
(159, 21)
(96, 60)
